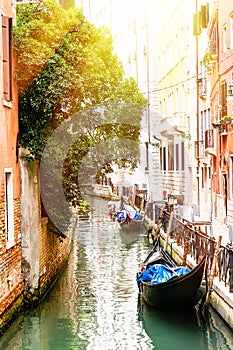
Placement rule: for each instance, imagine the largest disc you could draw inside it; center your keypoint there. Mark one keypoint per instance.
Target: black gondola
(129, 219)
(179, 292)
(131, 225)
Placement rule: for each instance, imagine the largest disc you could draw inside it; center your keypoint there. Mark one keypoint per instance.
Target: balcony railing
(209, 139)
(197, 243)
(202, 146)
(202, 87)
(200, 149)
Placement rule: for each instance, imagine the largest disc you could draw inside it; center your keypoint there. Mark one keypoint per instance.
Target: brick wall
(10, 259)
(33, 252)
(54, 252)
(11, 282)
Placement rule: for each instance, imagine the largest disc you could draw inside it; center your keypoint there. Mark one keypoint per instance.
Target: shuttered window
(182, 156)
(223, 99)
(177, 156)
(7, 57)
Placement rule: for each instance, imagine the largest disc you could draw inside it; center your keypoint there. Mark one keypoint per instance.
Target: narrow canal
(94, 305)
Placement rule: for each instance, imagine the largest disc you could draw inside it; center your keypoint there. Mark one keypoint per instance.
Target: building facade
(31, 255)
(177, 101)
(11, 282)
(219, 62)
(180, 56)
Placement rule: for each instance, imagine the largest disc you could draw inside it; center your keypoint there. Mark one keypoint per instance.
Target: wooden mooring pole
(230, 252)
(159, 223)
(213, 269)
(168, 230)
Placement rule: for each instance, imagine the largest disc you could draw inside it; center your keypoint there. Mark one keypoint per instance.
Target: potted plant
(216, 124)
(226, 119)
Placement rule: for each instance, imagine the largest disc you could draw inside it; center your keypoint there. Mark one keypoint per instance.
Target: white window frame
(9, 207)
(231, 30)
(224, 37)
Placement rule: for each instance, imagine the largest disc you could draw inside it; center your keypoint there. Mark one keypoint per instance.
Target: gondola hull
(179, 293)
(131, 226)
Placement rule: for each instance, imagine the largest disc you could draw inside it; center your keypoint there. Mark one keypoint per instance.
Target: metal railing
(197, 244)
(200, 149)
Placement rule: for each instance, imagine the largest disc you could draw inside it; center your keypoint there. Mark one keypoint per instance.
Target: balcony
(206, 146)
(200, 149)
(209, 142)
(202, 88)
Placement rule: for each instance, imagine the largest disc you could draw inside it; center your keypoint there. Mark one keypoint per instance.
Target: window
(213, 42)
(161, 158)
(170, 104)
(231, 30)
(209, 178)
(170, 155)
(202, 126)
(182, 41)
(202, 178)
(177, 156)
(208, 119)
(177, 100)
(224, 38)
(7, 57)
(182, 155)
(164, 107)
(188, 81)
(164, 159)
(223, 99)
(182, 98)
(9, 206)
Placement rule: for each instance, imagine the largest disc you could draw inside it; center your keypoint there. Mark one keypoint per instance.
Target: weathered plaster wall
(30, 223)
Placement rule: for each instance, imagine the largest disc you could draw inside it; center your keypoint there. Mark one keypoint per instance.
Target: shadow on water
(94, 305)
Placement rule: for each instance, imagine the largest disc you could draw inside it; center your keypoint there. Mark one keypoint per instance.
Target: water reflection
(194, 330)
(94, 305)
(165, 330)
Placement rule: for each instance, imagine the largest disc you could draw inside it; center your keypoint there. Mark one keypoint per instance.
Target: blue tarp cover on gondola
(130, 211)
(160, 273)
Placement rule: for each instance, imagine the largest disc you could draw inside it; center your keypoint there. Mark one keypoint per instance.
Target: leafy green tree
(67, 3)
(66, 67)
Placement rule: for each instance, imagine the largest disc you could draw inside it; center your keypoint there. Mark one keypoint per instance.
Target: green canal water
(94, 305)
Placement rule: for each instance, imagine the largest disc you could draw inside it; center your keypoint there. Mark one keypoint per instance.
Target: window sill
(10, 244)
(7, 103)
